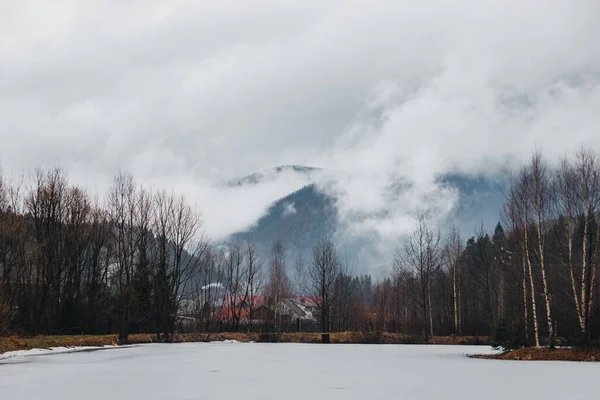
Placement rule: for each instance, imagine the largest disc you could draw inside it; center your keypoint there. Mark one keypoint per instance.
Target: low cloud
(187, 95)
(289, 209)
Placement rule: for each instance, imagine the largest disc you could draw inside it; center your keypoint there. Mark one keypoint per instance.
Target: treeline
(236, 281)
(137, 262)
(70, 264)
(533, 280)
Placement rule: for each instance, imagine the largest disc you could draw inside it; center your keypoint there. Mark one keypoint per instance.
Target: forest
(136, 261)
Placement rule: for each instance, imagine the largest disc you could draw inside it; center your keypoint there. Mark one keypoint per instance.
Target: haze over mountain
(302, 217)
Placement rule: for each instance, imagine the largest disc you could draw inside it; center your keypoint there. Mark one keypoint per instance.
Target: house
(288, 310)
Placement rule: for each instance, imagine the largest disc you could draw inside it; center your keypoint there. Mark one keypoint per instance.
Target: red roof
(227, 311)
(311, 301)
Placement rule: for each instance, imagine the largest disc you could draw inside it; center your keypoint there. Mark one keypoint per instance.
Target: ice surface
(215, 371)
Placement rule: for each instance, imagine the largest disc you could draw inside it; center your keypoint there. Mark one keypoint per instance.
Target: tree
(521, 207)
(299, 276)
(346, 299)
(278, 286)
(187, 248)
(421, 255)
(322, 275)
(514, 214)
(46, 203)
(578, 199)
(453, 252)
(209, 291)
(482, 277)
(143, 317)
(122, 211)
(236, 278)
(541, 194)
(254, 281)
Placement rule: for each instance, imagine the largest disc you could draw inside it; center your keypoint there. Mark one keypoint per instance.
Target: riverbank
(14, 343)
(547, 354)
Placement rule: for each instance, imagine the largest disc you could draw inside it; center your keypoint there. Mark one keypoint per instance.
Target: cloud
(289, 209)
(186, 94)
(502, 82)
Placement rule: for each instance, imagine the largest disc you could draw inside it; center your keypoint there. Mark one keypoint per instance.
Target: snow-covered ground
(289, 371)
(47, 352)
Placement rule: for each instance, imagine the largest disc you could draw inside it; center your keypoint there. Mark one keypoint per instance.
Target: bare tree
(99, 257)
(514, 213)
(278, 288)
(345, 299)
(254, 280)
(578, 190)
(453, 252)
(46, 203)
(122, 211)
(299, 276)
(236, 275)
(322, 274)
(145, 252)
(524, 199)
(209, 291)
(422, 256)
(188, 249)
(541, 194)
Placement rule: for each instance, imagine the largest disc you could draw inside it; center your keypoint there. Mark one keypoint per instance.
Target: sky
(186, 94)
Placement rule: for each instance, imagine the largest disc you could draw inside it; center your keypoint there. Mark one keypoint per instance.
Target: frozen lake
(214, 371)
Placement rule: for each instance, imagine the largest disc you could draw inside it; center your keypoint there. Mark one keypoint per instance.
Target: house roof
(293, 304)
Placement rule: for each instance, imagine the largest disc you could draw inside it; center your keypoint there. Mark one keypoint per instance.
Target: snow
(289, 371)
(51, 350)
(225, 341)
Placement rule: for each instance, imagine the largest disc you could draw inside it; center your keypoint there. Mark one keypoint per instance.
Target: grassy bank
(43, 342)
(547, 354)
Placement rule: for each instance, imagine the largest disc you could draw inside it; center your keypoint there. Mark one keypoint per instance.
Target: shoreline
(67, 343)
(581, 354)
(14, 343)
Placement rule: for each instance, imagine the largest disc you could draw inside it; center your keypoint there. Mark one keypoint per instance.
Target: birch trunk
(430, 310)
(525, 306)
(544, 279)
(459, 309)
(541, 196)
(531, 281)
(455, 299)
(572, 273)
(584, 267)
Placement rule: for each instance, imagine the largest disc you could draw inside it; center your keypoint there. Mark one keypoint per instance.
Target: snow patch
(225, 341)
(50, 351)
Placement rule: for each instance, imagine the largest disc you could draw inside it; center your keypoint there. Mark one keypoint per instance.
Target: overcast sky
(186, 93)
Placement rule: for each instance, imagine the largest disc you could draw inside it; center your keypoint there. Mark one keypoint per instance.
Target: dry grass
(43, 342)
(547, 354)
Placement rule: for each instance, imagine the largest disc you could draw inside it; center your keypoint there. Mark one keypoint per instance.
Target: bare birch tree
(453, 252)
(541, 194)
(578, 191)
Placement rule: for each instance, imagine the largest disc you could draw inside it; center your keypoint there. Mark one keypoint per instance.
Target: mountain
(301, 218)
(298, 220)
(480, 203)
